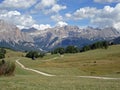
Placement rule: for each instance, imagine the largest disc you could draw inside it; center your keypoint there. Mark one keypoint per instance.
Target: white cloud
(22, 21)
(45, 3)
(68, 15)
(41, 26)
(56, 8)
(57, 18)
(11, 4)
(49, 6)
(61, 24)
(106, 17)
(86, 12)
(106, 1)
(48, 3)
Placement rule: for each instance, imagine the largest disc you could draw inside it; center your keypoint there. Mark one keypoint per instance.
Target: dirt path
(46, 74)
(96, 77)
(33, 70)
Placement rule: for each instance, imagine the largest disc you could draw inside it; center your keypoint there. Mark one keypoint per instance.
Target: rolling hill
(98, 62)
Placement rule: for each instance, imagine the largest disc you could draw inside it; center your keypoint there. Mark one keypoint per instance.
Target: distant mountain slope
(72, 35)
(12, 37)
(33, 39)
(30, 30)
(116, 40)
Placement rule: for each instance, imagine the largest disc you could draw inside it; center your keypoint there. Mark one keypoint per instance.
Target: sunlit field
(98, 62)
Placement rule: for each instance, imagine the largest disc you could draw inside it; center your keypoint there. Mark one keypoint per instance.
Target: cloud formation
(45, 3)
(61, 24)
(18, 12)
(106, 17)
(86, 12)
(57, 18)
(22, 21)
(9, 12)
(17, 4)
(106, 1)
(41, 26)
(49, 6)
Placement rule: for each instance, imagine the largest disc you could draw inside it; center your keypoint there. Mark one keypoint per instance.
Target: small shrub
(7, 68)
(58, 50)
(42, 55)
(117, 72)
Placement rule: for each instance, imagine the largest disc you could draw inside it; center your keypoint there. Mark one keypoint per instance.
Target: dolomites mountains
(33, 39)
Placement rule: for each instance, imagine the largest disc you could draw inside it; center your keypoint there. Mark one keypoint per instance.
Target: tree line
(69, 49)
(74, 49)
(96, 45)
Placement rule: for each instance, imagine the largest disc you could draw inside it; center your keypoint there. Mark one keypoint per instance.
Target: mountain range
(33, 39)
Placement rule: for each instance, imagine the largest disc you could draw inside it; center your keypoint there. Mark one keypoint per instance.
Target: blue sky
(43, 14)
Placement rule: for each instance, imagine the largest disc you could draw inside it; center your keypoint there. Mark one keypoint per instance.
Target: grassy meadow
(98, 62)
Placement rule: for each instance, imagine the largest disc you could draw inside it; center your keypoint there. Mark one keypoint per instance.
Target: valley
(59, 44)
(100, 63)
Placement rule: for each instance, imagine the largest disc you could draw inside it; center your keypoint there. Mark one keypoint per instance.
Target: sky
(42, 14)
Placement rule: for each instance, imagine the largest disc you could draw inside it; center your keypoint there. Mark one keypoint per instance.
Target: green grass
(98, 62)
(38, 82)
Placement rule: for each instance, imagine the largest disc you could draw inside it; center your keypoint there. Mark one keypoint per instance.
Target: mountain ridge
(72, 35)
(33, 39)
(12, 37)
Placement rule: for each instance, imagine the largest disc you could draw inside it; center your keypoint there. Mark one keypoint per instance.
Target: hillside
(94, 62)
(98, 62)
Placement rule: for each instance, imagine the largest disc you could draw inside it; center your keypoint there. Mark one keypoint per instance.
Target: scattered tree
(71, 49)
(86, 48)
(58, 50)
(34, 54)
(2, 53)
(42, 55)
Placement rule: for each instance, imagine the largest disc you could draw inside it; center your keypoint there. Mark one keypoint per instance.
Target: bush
(34, 54)
(58, 50)
(71, 49)
(2, 50)
(2, 53)
(42, 55)
(86, 48)
(7, 68)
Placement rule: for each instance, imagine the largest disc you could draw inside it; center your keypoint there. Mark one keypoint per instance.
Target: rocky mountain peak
(54, 37)
(9, 32)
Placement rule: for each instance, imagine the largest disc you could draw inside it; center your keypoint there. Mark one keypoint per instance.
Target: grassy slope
(107, 63)
(98, 62)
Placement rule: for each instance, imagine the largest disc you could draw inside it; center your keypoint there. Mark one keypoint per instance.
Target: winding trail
(51, 75)
(96, 77)
(39, 72)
